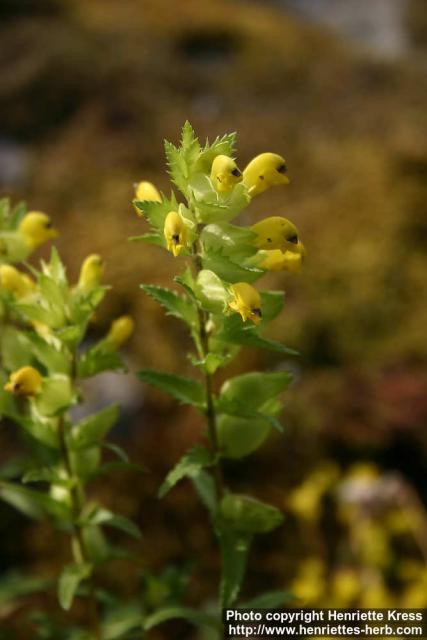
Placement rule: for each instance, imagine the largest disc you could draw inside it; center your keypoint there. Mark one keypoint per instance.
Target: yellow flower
(175, 232)
(310, 585)
(146, 191)
(276, 232)
(26, 381)
(120, 331)
(91, 273)
(346, 587)
(36, 228)
(264, 171)
(20, 284)
(276, 260)
(246, 301)
(225, 173)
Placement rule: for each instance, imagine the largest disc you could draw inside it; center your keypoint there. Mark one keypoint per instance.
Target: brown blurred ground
(88, 92)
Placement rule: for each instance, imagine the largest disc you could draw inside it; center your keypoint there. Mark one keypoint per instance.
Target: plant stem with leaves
(224, 312)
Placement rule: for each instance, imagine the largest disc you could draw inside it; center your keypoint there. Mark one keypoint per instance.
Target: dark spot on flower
(236, 173)
(175, 238)
(293, 239)
(257, 312)
(282, 168)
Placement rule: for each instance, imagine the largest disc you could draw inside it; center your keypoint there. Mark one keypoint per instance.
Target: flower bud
(225, 173)
(91, 273)
(146, 191)
(120, 331)
(18, 283)
(26, 382)
(36, 228)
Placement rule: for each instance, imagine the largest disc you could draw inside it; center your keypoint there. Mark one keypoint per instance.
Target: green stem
(78, 542)
(202, 343)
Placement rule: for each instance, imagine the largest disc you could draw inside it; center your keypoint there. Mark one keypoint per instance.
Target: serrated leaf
(156, 212)
(222, 145)
(189, 466)
(234, 550)
(69, 580)
(175, 304)
(91, 431)
(185, 390)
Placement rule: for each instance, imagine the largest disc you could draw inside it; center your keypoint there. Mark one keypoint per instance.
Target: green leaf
(229, 270)
(90, 431)
(33, 504)
(15, 348)
(194, 616)
(44, 430)
(269, 600)
(99, 358)
(105, 517)
(254, 389)
(121, 620)
(149, 238)
(36, 312)
(205, 486)
(234, 241)
(184, 390)
(55, 361)
(222, 145)
(55, 269)
(211, 292)
(69, 580)
(186, 280)
(56, 395)
(156, 212)
(175, 304)
(240, 436)
(235, 331)
(18, 585)
(272, 304)
(189, 466)
(234, 549)
(247, 515)
(181, 160)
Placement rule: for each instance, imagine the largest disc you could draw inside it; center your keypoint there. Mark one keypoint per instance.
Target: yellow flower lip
(246, 301)
(175, 232)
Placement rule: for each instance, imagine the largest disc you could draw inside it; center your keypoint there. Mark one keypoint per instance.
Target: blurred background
(88, 92)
